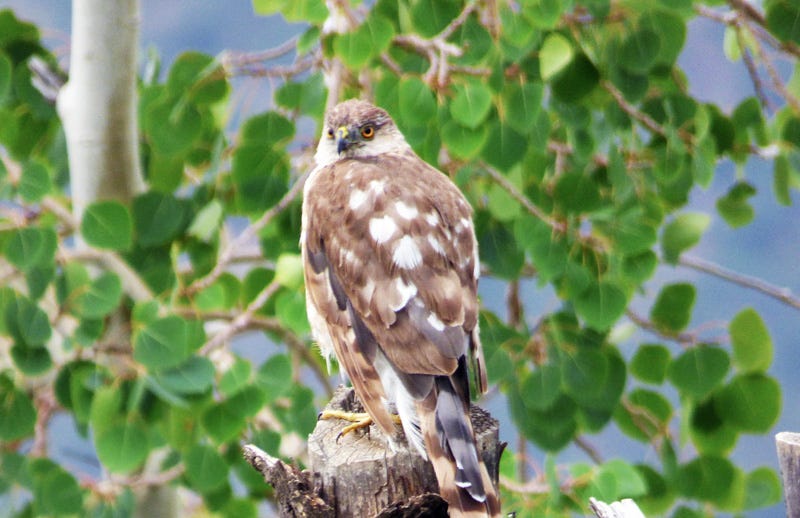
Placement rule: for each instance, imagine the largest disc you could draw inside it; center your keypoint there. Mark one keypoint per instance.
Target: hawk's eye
(368, 131)
(330, 133)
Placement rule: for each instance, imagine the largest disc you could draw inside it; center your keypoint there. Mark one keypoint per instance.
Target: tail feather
(449, 438)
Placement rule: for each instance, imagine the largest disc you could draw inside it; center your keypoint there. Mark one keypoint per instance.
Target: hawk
(391, 269)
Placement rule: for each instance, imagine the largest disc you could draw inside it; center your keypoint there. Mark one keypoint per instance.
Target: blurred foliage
(566, 123)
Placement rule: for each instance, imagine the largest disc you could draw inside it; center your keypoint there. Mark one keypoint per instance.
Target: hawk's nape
(391, 267)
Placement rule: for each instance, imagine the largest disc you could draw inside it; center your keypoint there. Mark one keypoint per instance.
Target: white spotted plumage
(391, 271)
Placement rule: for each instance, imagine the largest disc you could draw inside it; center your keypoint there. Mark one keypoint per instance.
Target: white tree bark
(98, 104)
(98, 108)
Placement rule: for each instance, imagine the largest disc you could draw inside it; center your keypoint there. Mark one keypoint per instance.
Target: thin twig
(685, 339)
(523, 200)
(588, 449)
(238, 59)
(272, 325)
(752, 70)
(783, 295)
(230, 251)
(242, 321)
(644, 119)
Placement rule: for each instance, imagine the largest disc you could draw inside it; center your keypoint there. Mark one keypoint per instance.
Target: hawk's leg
(359, 420)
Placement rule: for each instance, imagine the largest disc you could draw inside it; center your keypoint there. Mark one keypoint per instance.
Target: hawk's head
(357, 128)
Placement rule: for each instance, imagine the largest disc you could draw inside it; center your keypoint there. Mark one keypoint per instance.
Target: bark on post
(360, 475)
(788, 445)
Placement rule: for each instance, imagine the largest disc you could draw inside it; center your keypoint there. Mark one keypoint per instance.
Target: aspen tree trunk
(98, 108)
(98, 104)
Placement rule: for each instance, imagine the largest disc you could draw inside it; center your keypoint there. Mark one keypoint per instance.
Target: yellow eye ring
(330, 133)
(368, 132)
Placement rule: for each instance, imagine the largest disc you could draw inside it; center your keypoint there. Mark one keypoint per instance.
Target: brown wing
(398, 236)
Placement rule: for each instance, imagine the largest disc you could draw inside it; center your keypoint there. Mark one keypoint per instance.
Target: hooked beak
(343, 140)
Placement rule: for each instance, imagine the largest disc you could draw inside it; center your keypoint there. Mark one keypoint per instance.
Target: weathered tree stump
(360, 474)
(788, 445)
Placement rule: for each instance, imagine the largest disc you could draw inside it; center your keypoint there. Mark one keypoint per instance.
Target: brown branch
(523, 200)
(750, 65)
(272, 325)
(227, 255)
(783, 295)
(685, 339)
(588, 449)
(242, 321)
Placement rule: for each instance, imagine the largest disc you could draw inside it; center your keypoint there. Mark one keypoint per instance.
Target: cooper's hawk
(391, 269)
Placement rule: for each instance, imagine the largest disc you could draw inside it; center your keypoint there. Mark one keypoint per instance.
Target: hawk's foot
(359, 420)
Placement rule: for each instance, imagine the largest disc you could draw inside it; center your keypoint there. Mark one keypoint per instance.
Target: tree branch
(230, 251)
(783, 295)
(523, 200)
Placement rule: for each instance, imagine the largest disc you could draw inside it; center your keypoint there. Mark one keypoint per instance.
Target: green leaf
(501, 204)
(158, 218)
(207, 221)
(463, 142)
(750, 402)
(639, 51)
(430, 17)
(34, 183)
(55, 491)
(576, 81)
(628, 480)
(369, 40)
(275, 376)
(6, 71)
(289, 271)
(194, 376)
(639, 403)
(123, 446)
(699, 370)
(522, 103)
(541, 388)
(17, 413)
(650, 362)
(762, 488)
(172, 127)
(31, 247)
(706, 478)
(672, 310)
(236, 377)
(601, 304)
(101, 297)
(583, 372)
(577, 193)
(205, 468)
(683, 233)
(199, 77)
(752, 345)
(471, 104)
(31, 360)
(781, 180)
(290, 308)
(734, 208)
(505, 147)
(167, 342)
(782, 16)
(416, 102)
(268, 129)
(555, 54)
(26, 322)
(107, 224)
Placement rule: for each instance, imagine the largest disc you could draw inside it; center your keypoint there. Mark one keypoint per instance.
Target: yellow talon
(359, 420)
